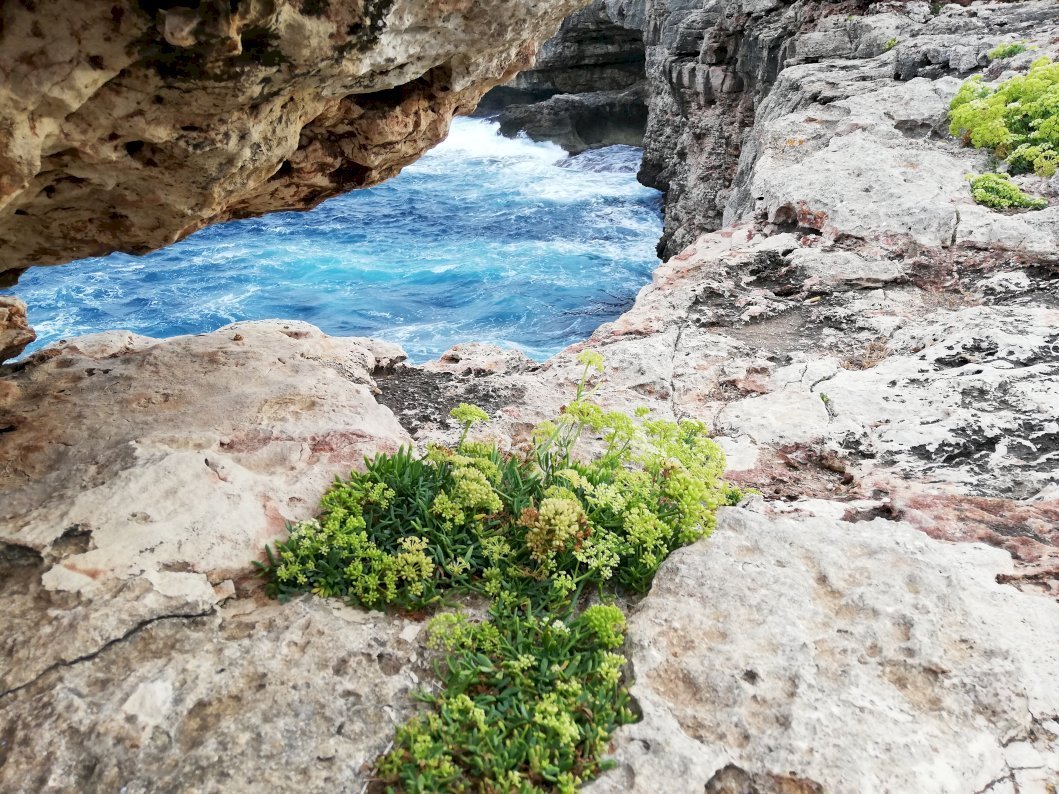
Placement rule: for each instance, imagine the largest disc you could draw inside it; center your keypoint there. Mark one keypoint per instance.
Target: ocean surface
(484, 239)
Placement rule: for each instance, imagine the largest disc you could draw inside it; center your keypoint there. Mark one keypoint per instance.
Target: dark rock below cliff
(582, 121)
(587, 88)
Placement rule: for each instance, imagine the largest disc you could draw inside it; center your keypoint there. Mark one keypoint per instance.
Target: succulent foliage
(1017, 120)
(530, 696)
(1000, 193)
(1010, 50)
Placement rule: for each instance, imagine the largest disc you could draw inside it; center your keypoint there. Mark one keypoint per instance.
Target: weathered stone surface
(881, 364)
(815, 655)
(579, 122)
(254, 696)
(592, 51)
(139, 478)
(477, 358)
(15, 332)
(128, 125)
(723, 72)
(903, 181)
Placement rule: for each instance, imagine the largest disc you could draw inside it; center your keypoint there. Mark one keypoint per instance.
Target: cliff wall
(588, 87)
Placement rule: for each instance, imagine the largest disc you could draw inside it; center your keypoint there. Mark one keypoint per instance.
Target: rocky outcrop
(579, 122)
(890, 663)
(128, 125)
(140, 477)
(713, 65)
(876, 353)
(864, 332)
(249, 696)
(587, 88)
(595, 49)
(15, 332)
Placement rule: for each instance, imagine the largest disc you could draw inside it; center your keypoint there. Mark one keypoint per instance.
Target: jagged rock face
(587, 88)
(127, 125)
(579, 122)
(712, 65)
(15, 332)
(591, 52)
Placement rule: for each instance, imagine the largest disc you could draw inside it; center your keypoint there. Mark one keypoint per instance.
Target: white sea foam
(481, 139)
(484, 239)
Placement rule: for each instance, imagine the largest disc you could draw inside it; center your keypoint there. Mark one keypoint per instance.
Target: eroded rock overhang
(125, 126)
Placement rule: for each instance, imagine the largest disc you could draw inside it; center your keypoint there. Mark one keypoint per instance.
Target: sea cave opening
(486, 239)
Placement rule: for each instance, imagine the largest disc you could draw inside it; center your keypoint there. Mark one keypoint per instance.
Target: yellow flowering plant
(529, 697)
(1018, 122)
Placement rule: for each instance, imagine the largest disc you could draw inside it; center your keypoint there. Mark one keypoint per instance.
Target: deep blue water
(483, 239)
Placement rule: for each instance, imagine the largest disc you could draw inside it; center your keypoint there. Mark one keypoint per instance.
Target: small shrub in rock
(1017, 120)
(1002, 51)
(529, 702)
(530, 697)
(1000, 193)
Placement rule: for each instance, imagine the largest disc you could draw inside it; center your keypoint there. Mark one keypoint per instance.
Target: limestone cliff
(592, 51)
(588, 87)
(130, 124)
(712, 65)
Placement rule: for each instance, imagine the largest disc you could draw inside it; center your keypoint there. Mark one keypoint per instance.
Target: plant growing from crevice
(1017, 120)
(1010, 50)
(528, 702)
(528, 698)
(1000, 193)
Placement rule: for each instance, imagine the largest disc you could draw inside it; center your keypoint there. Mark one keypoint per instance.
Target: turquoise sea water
(483, 239)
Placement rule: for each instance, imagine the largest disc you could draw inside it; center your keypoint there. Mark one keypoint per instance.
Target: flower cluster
(1018, 120)
(554, 527)
(606, 624)
(336, 557)
(530, 696)
(453, 631)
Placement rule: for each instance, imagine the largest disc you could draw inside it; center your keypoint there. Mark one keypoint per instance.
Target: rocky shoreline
(877, 353)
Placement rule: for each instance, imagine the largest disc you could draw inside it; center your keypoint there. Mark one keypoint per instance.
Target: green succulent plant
(1017, 120)
(1000, 193)
(1010, 50)
(530, 696)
